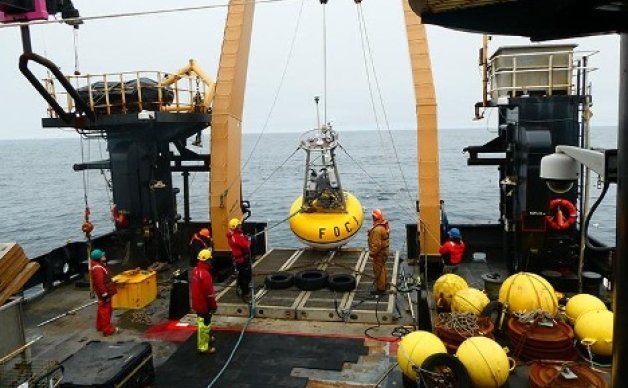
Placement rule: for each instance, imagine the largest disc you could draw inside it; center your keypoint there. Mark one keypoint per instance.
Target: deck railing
(517, 71)
(129, 92)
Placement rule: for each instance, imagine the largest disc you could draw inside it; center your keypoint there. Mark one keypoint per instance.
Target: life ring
(558, 220)
(119, 217)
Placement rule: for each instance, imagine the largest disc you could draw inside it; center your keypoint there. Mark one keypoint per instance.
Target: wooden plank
(19, 281)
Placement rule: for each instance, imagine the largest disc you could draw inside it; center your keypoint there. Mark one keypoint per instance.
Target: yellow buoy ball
(414, 348)
(469, 300)
(525, 291)
(582, 303)
(595, 328)
(485, 360)
(446, 287)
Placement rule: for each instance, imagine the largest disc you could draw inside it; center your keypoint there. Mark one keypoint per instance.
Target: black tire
(279, 280)
(454, 371)
(408, 382)
(311, 279)
(341, 282)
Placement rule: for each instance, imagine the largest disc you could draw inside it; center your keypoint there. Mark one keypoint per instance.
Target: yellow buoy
(446, 287)
(525, 291)
(582, 303)
(595, 329)
(327, 230)
(485, 360)
(414, 348)
(469, 300)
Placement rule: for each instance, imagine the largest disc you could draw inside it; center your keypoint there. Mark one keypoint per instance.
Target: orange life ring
(119, 218)
(556, 219)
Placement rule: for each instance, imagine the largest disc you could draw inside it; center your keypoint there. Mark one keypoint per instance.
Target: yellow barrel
(485, 360)
(414, 348)
(582, 303)
(595, 328)
(327, 230)
(469, 300)
(525, 291)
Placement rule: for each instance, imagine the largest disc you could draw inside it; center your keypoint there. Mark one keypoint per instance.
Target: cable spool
(527, 291)
(486, 361)
(469, 300)
(414, 348)
(446, 287)
(581, 304)
(595, 329)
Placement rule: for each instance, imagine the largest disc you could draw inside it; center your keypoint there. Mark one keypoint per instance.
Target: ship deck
(287, 338)
(313, 337)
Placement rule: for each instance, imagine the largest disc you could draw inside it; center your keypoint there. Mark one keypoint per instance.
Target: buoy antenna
(318, 113)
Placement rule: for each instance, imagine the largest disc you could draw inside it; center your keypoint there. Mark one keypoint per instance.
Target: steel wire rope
(402, 208)
(274, 102)
(133, 14)
(324, 63)
(368, 82)
(237, 344)
(367, 50)
(273, 172)
(281, 81)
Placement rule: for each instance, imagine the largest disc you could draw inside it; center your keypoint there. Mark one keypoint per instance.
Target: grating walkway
(321, 305)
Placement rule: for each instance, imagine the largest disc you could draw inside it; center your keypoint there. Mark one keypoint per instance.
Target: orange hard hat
(377, 214)
(205, 232)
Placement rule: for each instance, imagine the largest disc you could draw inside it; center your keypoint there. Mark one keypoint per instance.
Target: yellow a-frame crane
(226, 134)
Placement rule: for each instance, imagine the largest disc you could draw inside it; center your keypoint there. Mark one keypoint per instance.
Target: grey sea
(42, 200)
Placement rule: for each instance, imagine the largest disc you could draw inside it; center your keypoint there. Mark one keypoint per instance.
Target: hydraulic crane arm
(428, 222)
(225, 199)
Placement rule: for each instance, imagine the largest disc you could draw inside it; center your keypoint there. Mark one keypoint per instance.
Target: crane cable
(133, 14)
(273, 105)
(366, 50)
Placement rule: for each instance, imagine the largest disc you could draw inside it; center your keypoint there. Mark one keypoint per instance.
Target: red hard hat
(205, 232)
(377, 214)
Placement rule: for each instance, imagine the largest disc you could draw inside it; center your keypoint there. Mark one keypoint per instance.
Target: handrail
(80, 103)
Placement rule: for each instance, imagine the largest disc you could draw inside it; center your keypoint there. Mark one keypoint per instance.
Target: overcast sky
(166, 41)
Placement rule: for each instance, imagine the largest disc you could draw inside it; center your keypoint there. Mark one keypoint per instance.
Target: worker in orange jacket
(105, 289)
(379, 243)
(199, 241)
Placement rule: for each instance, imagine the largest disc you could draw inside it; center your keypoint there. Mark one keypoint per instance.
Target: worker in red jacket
(452, 251)
(241, 253)
(203, 301)
(105, 289)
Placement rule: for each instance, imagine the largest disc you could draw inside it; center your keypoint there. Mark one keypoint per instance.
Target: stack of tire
(310, 280)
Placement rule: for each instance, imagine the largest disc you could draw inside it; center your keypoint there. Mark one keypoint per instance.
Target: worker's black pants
(245, 273)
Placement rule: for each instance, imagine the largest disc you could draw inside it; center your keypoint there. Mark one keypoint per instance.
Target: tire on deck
(279, 280)
(311, 279)
(341, 282)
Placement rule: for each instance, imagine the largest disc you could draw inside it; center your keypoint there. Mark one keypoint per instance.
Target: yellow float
(446, 287)
(327, 229)
(485, 360)
(469, 300)
(582, 303)
(525, 291)
(595, 329)
(414, 348)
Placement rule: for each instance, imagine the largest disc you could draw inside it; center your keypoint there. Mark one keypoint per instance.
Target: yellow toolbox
(136, 289)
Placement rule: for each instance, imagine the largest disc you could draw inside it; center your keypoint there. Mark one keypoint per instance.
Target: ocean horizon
(43, 199)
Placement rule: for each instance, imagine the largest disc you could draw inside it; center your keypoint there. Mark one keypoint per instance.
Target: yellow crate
(136, 289)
